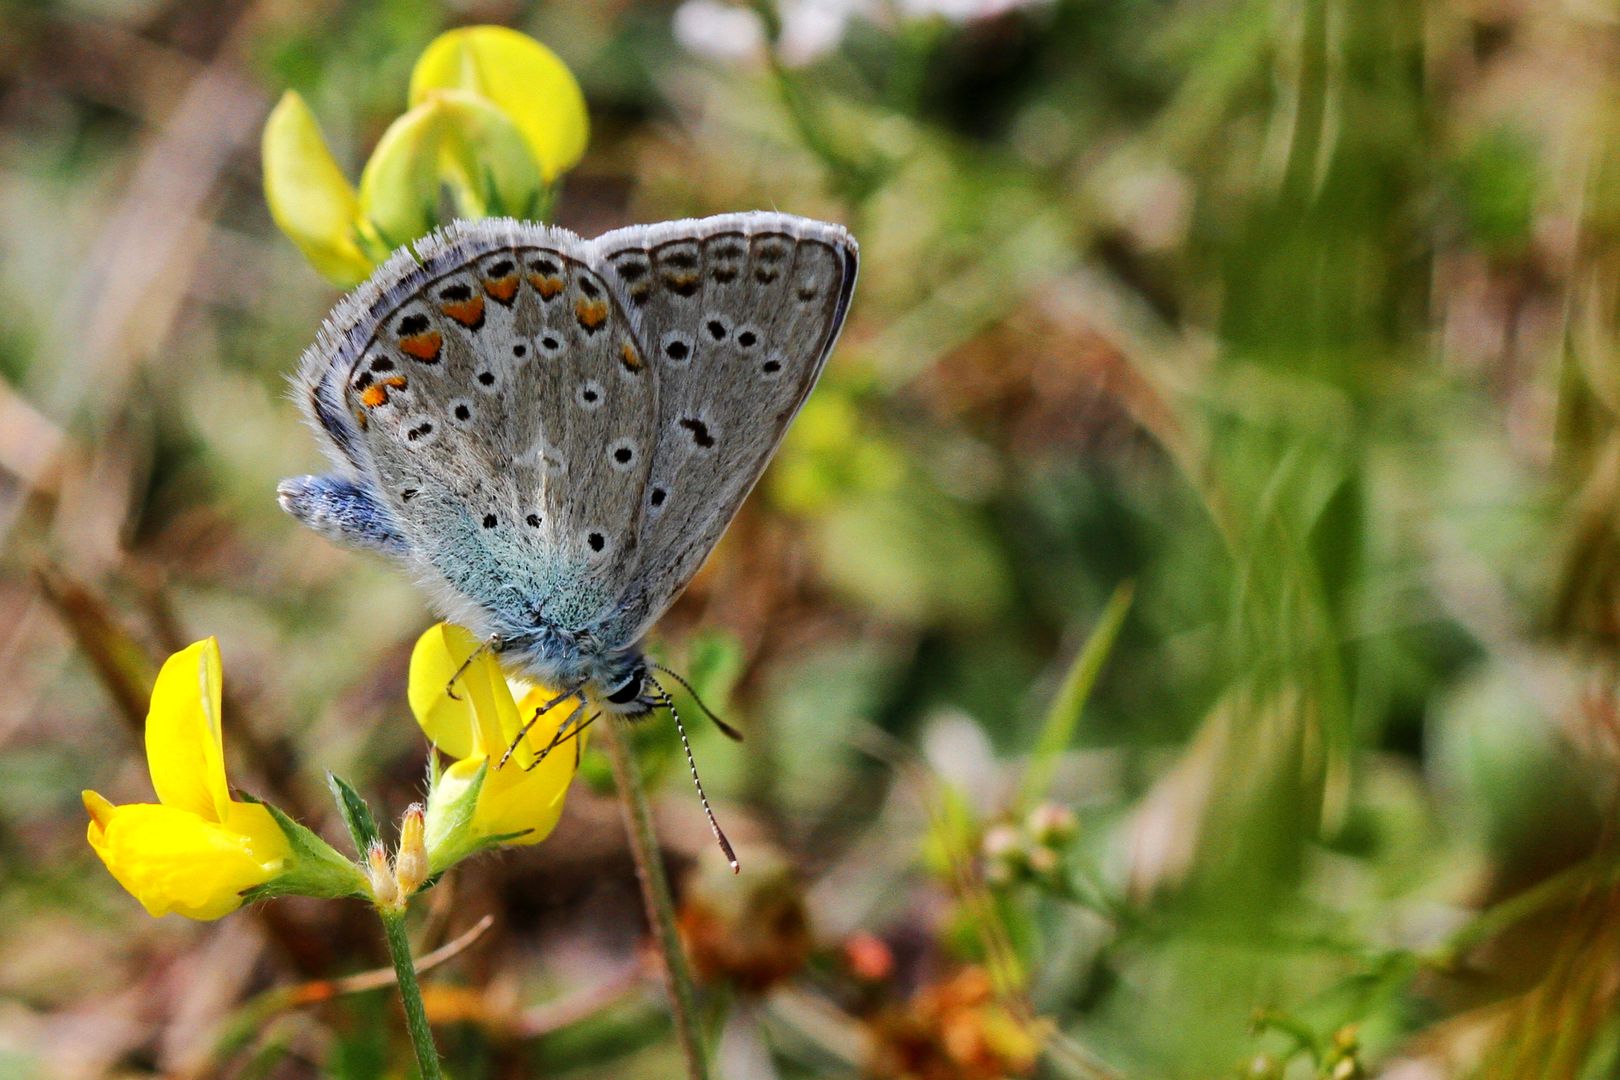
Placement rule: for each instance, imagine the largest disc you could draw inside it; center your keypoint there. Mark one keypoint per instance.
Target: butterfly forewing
(503, 408)
(738, 314)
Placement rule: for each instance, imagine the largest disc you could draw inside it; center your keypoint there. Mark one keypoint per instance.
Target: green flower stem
(655, 894)
(410, 992)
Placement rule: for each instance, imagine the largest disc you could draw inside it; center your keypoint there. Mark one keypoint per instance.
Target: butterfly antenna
(730, 732)
(691, 763)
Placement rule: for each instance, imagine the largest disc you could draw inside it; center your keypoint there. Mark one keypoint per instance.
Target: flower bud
(411, 863)
(384, 888)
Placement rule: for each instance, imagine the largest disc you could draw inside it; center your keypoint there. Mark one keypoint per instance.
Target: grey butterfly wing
(738, 314)
(489, 394)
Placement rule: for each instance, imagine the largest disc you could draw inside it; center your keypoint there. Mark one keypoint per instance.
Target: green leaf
(1064, 715)
(356, 814)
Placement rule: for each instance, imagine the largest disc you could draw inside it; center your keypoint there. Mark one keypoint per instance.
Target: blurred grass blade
(1064, 715)
(121, 663)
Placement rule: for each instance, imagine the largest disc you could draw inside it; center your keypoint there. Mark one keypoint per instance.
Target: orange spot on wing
(590, 313)
(424, 346)
(629, 357)
(469, 313)
(547, 287)
(377, 393)
(502, 289)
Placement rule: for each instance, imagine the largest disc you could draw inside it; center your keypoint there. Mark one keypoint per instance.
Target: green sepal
(448, 828)
(315, 868)
(356, 814)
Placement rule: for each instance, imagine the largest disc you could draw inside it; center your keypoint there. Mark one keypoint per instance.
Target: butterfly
(552, 433)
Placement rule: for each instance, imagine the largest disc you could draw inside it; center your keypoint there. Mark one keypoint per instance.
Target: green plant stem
(410, 993)
(655, 894)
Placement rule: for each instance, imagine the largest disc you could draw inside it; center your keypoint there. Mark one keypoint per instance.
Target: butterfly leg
(339, 509)
(559, 738)
(538, 713)
(493, 644)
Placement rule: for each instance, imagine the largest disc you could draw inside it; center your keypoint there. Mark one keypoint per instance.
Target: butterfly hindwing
(493, 396)
(738, 314)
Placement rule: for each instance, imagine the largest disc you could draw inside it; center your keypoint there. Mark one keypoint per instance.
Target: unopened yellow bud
(411, 863)
(384, 889)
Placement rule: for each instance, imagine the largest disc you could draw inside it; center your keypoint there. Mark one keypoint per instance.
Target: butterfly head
(630, 694)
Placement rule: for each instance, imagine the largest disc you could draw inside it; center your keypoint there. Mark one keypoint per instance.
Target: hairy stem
(410, 992)
(655, 894)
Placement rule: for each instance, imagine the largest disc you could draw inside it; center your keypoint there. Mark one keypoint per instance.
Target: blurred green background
(1261, 355)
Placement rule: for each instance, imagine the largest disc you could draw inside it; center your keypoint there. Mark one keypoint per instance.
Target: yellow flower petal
(512, 800)
(515, 799)
(453, 139)
(99, 809)
(309, 197)
(544, 728)
(175, 861)
(484, 156)
(484, 719)
(399, 187)
(522, 78)
(184, 748)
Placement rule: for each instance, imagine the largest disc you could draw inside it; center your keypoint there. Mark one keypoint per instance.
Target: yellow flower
(196, 850)
(495, 117)
(475, 800)
(310, 198)
(517, 75)
(456, 140)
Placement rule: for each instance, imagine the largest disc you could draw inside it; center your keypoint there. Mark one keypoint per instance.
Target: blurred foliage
(1296, 321)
